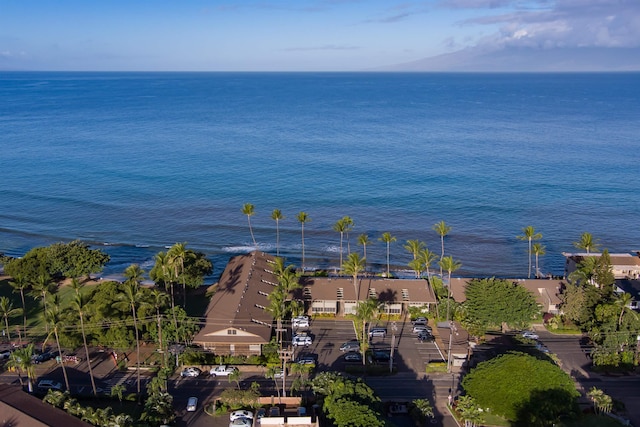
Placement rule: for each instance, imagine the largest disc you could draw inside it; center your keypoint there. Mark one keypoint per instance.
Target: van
(378, 332)
(191, 404)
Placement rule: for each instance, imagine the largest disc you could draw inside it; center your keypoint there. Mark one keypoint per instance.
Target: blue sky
(296, 35)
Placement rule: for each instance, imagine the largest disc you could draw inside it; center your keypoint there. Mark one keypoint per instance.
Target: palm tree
(40, 289)
(601, 401)
(79, 304)
(178, 255)
(249, 210)
(529, 234)
(277, 216)
(414, 247)
(623, 301)
(363, 240)
(159, 299)
(388, 239)
(353, 266)
(442, 229)
(7, 311)
(19, 284)
(449, 265)
(168, 278)
(416, 265)
(55, 324)
(131, 296)
(587, 242)
(538, 249)
(469, 411)
(366, 311)
(21, 360)
(340, 226)
(427, 258)
(303, 218)
(349, 226)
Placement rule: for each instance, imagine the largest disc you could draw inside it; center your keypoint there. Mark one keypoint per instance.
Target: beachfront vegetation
(494, 303)
(387, 238)
(303, 218)
(277, 216)
(587, 243)
(249, 210)
(523, 389)
(442, 229)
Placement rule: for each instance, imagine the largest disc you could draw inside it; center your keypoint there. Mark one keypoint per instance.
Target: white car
(49, 385)
(242, 413)
(420, 321)
(190, 372)
(302, 340)
(418, 329)
(241, 422)
(530, 335)
(222, 371)
(377, 332)
(300, 322)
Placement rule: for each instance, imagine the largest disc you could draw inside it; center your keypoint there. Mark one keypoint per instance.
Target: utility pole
(284, 355)
(394, 329)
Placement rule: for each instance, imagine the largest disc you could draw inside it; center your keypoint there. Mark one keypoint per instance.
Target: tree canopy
(492, 302)
(510, 383)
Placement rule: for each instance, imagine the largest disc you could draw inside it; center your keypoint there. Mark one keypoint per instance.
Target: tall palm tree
(179, 255)
(587, 242)
(449, 265)
(538, 249)
(303, 218)
(79, 304)
(442, 229)
(349, 226)
(20, 284)
(249, 210)
(131, 296)
(366, 311)
(416, 265)
(414, 247)
(168, 277)
(623, 301)
(427, 257)
(363, 240)
(159, 300)
(55, 324)
(40, 288)
(529, 234)
(388, 239)
(353, 266)
(340, 226)
(277, 216)
(7, 311)
(21, 360)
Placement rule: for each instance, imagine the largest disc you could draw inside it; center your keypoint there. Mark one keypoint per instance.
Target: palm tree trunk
(24, 313)
(64, 370)
(135, 326)
(86, 351)
(529, 275)
(6, 323)
(277, 238)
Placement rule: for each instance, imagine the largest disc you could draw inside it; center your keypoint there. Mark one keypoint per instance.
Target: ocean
(132, 163)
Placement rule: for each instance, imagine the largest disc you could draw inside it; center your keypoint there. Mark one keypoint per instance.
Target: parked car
(241, 422)
(425, 336)
(306, 359)
(418, 329)
(304, 340)
(350, 346)
(190, 372)
(49, 385)
(420, 321)
(377, 332)
(353, 357)
(542, 348)
(5, 354)
(222, 371)
(530, 335)
(300, 322)
(301, 411)
(278, 374)
(192, 403)
(47, 355)
(242, 413)
(261, 412)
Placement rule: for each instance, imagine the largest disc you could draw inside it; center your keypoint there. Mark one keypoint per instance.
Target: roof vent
(340, 293)
(372, 293)
(405, 295)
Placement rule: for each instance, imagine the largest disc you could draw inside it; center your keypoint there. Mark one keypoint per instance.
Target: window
(231, 331)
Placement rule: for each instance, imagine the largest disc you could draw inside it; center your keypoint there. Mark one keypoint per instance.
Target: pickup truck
(222, 371)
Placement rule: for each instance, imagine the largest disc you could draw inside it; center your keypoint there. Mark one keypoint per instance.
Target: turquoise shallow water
(134, 162)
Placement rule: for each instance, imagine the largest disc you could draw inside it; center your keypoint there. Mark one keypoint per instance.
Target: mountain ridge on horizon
(525, 59)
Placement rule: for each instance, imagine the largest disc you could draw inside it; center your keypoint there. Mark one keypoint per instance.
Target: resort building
(624, 265)
(237, 320)
(339, 297)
